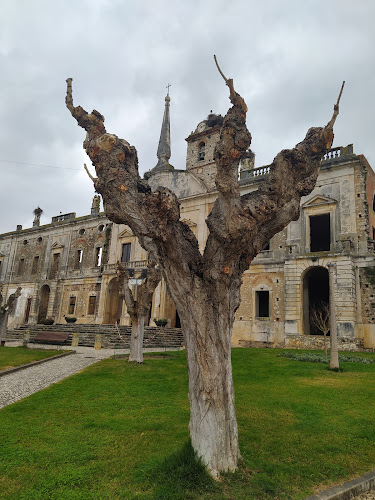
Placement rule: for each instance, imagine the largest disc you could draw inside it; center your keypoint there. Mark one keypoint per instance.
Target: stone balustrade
(332, 155)
(133, 264)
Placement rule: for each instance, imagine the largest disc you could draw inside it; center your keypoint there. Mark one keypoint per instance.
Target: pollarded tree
(206, 287)
(138, 307)
(6, 309)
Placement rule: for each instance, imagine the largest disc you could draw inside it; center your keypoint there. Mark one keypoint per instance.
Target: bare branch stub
(336, 107)
(94, 179)
(234, 141)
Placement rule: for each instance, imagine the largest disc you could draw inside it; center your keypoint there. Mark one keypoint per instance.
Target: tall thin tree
(139, 305)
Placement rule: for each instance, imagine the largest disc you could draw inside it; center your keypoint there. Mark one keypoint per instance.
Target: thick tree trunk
(213, 424)
(207, 312)
(136, 342)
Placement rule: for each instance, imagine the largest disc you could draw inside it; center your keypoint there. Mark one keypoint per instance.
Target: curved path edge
(34, 363)
(348, 490)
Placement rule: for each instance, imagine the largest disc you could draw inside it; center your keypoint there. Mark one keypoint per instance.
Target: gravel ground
(23, 383)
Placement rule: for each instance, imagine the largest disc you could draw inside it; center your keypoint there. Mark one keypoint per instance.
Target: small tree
(139, 305)
(6, 309)
(319, 316)
(206, 286)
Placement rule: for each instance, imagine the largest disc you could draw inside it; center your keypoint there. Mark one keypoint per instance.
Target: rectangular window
(72, 305)
(92, 304)
(27, 310)
(78, 261)
(262, 299)
(35, 267)
(21, 267)
(125, 255)
(98, 256)
(320, 233)
(55, 265)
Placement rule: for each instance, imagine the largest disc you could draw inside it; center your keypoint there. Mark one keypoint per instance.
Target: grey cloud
(287, 59)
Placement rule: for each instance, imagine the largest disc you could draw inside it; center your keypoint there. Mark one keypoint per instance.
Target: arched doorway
(43, 303)
(315, 293)
(113, 308)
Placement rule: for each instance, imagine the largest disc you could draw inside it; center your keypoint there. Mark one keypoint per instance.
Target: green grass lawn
(17, 356)
(120, 431)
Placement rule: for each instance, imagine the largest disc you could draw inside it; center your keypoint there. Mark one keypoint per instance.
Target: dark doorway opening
(315, 293)
(320, 233)
(262, 304)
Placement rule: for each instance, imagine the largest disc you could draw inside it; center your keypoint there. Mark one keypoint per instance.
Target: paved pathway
(23, 383)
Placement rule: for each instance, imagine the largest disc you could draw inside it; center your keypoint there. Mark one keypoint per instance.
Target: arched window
(201, 151)
(373, 202)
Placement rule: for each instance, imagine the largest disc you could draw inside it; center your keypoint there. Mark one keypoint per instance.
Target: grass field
(16, 356)
(120, 431)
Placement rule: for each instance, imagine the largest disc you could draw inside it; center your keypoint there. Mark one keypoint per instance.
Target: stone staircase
(110, 336)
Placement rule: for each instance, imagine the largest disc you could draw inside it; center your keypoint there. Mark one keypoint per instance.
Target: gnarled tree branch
(153, 216)
(250, 222)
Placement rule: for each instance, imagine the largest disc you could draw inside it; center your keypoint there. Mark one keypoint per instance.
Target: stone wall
(317, 342)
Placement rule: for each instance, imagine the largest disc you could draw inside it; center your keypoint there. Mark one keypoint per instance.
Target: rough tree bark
(206, 288)
(138, 306)
(6, 309)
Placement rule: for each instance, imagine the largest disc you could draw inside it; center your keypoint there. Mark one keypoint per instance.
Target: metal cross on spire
(167, 87)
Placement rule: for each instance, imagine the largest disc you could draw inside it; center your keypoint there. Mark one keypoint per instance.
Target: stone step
(111, 337)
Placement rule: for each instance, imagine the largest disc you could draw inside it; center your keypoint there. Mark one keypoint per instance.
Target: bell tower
(201, 144)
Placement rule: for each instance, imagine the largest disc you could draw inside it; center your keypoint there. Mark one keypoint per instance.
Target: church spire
(164, 148)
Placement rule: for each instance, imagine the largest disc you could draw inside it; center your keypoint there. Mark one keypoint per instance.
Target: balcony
(133, 264)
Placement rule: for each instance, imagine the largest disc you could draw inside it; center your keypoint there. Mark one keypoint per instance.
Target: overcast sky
(288, 59)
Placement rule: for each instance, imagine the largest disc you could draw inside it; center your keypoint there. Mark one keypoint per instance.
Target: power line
(39, 165)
